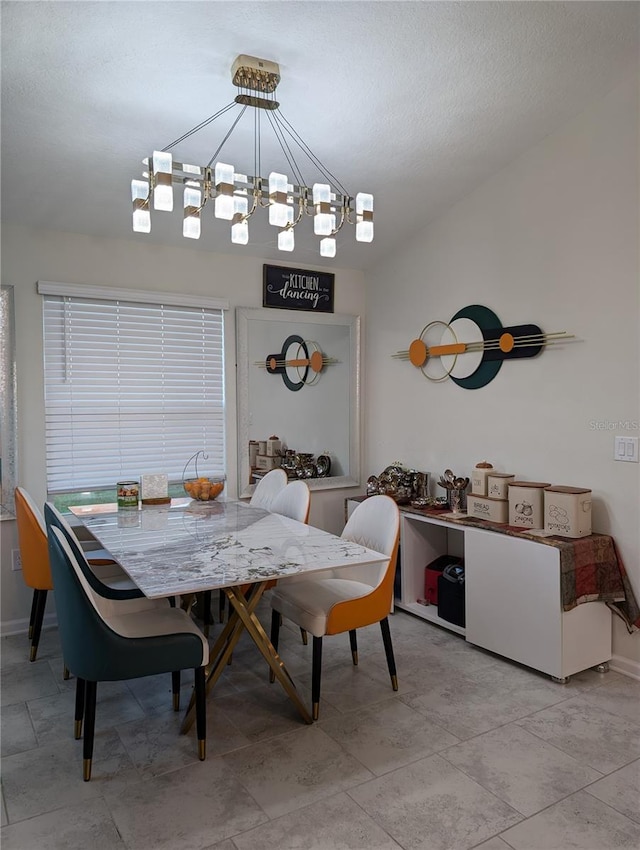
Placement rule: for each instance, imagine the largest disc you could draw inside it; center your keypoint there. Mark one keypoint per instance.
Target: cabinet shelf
(429, 613)
(513, 595)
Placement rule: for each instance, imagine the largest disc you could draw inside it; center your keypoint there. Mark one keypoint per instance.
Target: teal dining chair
(106, 640)
(103, 572)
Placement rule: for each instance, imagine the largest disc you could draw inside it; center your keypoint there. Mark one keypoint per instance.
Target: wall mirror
(313, 407)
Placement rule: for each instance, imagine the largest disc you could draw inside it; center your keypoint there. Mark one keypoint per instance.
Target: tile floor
(471, 752)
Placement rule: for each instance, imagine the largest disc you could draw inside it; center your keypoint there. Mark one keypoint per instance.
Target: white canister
(274, 446)
(567, 511)
(498, 484)
(262, 447)
(526, 503)
(479, 478)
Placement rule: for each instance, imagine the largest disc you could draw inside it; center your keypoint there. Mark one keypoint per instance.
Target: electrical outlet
(16, 560)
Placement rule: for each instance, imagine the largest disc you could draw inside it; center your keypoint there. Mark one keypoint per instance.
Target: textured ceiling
(416, 102)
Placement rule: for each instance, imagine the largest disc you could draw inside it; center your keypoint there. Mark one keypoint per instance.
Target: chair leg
(354, 646)
(388, 648)
(65, 673)
(80, 688)
(316, 672)
(303, 635)
(89, 728)
(175, 689)
(32, 618)
(37, 623)
(275, 636)
(201, 711)
(221, 599)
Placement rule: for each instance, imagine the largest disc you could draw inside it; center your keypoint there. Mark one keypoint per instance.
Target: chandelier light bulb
(192, 204)
(163, 174)
(286, 240)
(240, 233)
(328, 247)
(364, 217)
(141, 212)
(223, 177)
(278, 208)
(323, 221)
(240, 226)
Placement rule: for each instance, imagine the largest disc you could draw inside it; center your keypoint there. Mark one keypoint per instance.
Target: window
(132, 386)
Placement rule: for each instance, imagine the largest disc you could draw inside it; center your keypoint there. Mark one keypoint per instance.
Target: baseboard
(626, 666)
(21, 627)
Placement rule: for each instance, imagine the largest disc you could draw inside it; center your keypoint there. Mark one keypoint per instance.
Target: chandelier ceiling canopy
(236, 196)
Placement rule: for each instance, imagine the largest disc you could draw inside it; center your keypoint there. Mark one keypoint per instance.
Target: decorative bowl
(203, 489)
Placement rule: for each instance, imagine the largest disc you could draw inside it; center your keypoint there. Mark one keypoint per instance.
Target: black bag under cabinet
(451, 595)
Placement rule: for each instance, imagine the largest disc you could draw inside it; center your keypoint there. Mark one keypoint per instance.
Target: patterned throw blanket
(591, 568)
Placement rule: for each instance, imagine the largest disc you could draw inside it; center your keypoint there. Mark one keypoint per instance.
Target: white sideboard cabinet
(512, 595)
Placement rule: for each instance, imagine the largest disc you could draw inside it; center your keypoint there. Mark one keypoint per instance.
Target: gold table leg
(220, 655)
(253, 625)
(241, 617)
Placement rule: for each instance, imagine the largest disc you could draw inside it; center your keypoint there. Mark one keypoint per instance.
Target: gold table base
(242, 617)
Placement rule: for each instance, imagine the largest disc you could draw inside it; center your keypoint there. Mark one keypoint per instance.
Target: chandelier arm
(277, 130)
(310, 154)
(222, 143)
(343, 217)
(256, 143)
(200, 126)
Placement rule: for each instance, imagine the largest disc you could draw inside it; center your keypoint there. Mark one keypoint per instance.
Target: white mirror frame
(245, 317)
(8, 415)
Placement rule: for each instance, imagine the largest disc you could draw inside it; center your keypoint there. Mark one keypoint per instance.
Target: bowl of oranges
(203, 489)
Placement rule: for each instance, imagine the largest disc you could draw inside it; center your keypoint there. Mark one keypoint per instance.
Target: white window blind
(130, 388)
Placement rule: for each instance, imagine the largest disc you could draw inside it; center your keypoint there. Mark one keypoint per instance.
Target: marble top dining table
(191, 546)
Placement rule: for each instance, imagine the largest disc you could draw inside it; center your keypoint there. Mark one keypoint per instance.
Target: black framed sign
(297, 289)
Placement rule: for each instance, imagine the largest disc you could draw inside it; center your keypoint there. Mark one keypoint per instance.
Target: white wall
(29, 256)
(550, 240)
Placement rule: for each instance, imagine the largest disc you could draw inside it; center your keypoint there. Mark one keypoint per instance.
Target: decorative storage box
(479, 478)
(498, 484)
(267, 463)
(567, 511)
(495, 510)
(526, 504)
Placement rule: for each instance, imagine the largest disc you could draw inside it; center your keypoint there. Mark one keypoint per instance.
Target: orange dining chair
(36, 572)
(32, 539)
(347, 598)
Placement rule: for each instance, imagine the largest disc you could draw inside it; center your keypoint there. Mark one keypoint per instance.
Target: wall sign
(473, 345)
(297, 289)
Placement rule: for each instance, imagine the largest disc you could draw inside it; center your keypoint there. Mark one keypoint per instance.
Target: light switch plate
(626, 449)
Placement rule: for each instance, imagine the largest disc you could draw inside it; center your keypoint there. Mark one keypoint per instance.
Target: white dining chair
(268, 488)
(293, 501)
(348, 598)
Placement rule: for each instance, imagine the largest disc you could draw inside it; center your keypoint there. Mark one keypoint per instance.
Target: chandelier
(235, 196)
